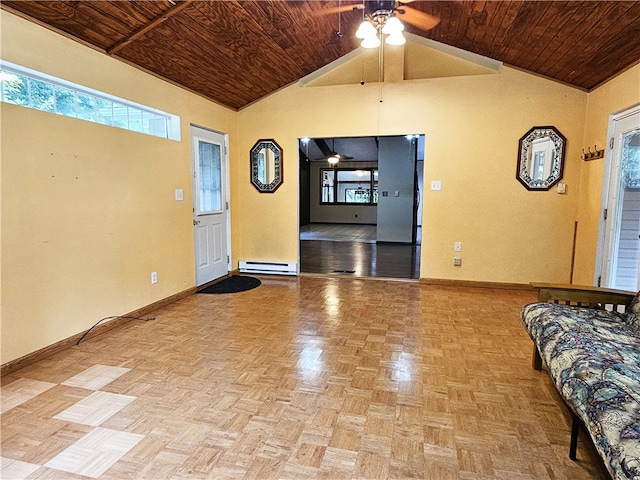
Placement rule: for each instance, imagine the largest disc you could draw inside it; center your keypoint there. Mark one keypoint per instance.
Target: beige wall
(472, 126)
(88, 211)
(620, 93)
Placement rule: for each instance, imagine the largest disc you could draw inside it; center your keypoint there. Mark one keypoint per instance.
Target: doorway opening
(360, 209)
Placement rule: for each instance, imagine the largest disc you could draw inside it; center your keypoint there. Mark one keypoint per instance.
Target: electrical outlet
(436, 185)
(457, 247)
(179, 194)
(154, 277)
(457, 261)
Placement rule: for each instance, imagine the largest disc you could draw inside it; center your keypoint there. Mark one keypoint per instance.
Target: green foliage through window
(19, 88)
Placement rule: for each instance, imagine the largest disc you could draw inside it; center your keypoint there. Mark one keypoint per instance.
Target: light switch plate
(436, 185)
(179, 194)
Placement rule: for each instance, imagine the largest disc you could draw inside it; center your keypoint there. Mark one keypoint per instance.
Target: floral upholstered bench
(589, 341)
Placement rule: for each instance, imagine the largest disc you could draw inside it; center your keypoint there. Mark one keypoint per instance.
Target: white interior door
(621, 262)
(210, 205)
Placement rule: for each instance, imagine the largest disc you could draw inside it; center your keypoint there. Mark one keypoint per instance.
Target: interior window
(349, 185)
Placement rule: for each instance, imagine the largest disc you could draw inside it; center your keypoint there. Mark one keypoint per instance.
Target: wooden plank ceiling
(235, 52)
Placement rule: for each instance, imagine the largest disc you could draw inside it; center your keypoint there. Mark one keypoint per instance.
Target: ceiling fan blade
(339, 156)
(340, 9)
(417, 18)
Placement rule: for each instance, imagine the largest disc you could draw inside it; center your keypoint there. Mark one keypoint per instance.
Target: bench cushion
(634, 306)
(593, 357)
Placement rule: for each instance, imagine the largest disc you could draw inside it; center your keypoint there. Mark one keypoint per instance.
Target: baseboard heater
(268, 267)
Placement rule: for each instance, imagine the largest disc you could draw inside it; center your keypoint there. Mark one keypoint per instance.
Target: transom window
(349, 185)
(23, 86)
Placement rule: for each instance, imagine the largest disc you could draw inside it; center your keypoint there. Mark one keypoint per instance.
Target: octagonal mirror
(266, 166)
(541, 158)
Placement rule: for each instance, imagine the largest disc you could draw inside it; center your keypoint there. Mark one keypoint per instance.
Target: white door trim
(601, 272)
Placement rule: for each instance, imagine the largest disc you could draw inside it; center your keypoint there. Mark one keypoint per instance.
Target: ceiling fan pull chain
(381, 63)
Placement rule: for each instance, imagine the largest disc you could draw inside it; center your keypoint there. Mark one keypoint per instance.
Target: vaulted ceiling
(236, 52)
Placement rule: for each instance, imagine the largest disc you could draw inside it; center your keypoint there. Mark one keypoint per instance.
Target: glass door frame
(610, 207)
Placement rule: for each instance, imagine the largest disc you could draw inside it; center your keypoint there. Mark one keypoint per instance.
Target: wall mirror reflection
(541, 158)
(266, 165)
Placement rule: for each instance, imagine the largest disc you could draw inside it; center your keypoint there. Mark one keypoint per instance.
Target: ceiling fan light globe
(396, 39)
(365, 30)
(371, 42)
(392, 25)
(333, 159)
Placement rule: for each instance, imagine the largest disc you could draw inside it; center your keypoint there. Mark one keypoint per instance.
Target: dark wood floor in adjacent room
(360, 259)
(302, 377)
(347, 249)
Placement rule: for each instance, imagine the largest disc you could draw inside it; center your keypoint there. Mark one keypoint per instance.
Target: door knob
(196, 222)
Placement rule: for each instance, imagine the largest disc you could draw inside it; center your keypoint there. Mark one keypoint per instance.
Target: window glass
(354, 186)
(120, 115)
(41, 95)
(349, 185)
(210, 174)
(65, 101)
(630, 167)
(87, 109)
(153, 124)
(15, 88)
(327, 186)
(104, 110)
(135, 119)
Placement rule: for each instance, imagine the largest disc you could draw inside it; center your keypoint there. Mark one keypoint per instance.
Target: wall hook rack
(589, 155)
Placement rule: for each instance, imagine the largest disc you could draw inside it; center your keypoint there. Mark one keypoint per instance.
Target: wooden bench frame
(579, 296)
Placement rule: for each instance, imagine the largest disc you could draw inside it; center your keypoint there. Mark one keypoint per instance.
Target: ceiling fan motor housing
(374, 6)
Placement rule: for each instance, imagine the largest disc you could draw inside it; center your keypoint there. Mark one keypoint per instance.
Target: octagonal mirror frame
(267, 170)
(541, 153)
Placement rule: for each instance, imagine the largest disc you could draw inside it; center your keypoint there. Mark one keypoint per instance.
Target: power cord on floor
(111, 318)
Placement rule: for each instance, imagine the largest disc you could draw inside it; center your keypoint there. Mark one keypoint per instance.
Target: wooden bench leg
(575, 427)
(536, 362)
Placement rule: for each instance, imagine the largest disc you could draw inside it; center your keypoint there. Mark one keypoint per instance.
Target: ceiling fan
(330, 155)
(377, 10)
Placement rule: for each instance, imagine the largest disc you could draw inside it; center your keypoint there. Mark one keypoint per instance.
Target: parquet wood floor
(302, 377)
